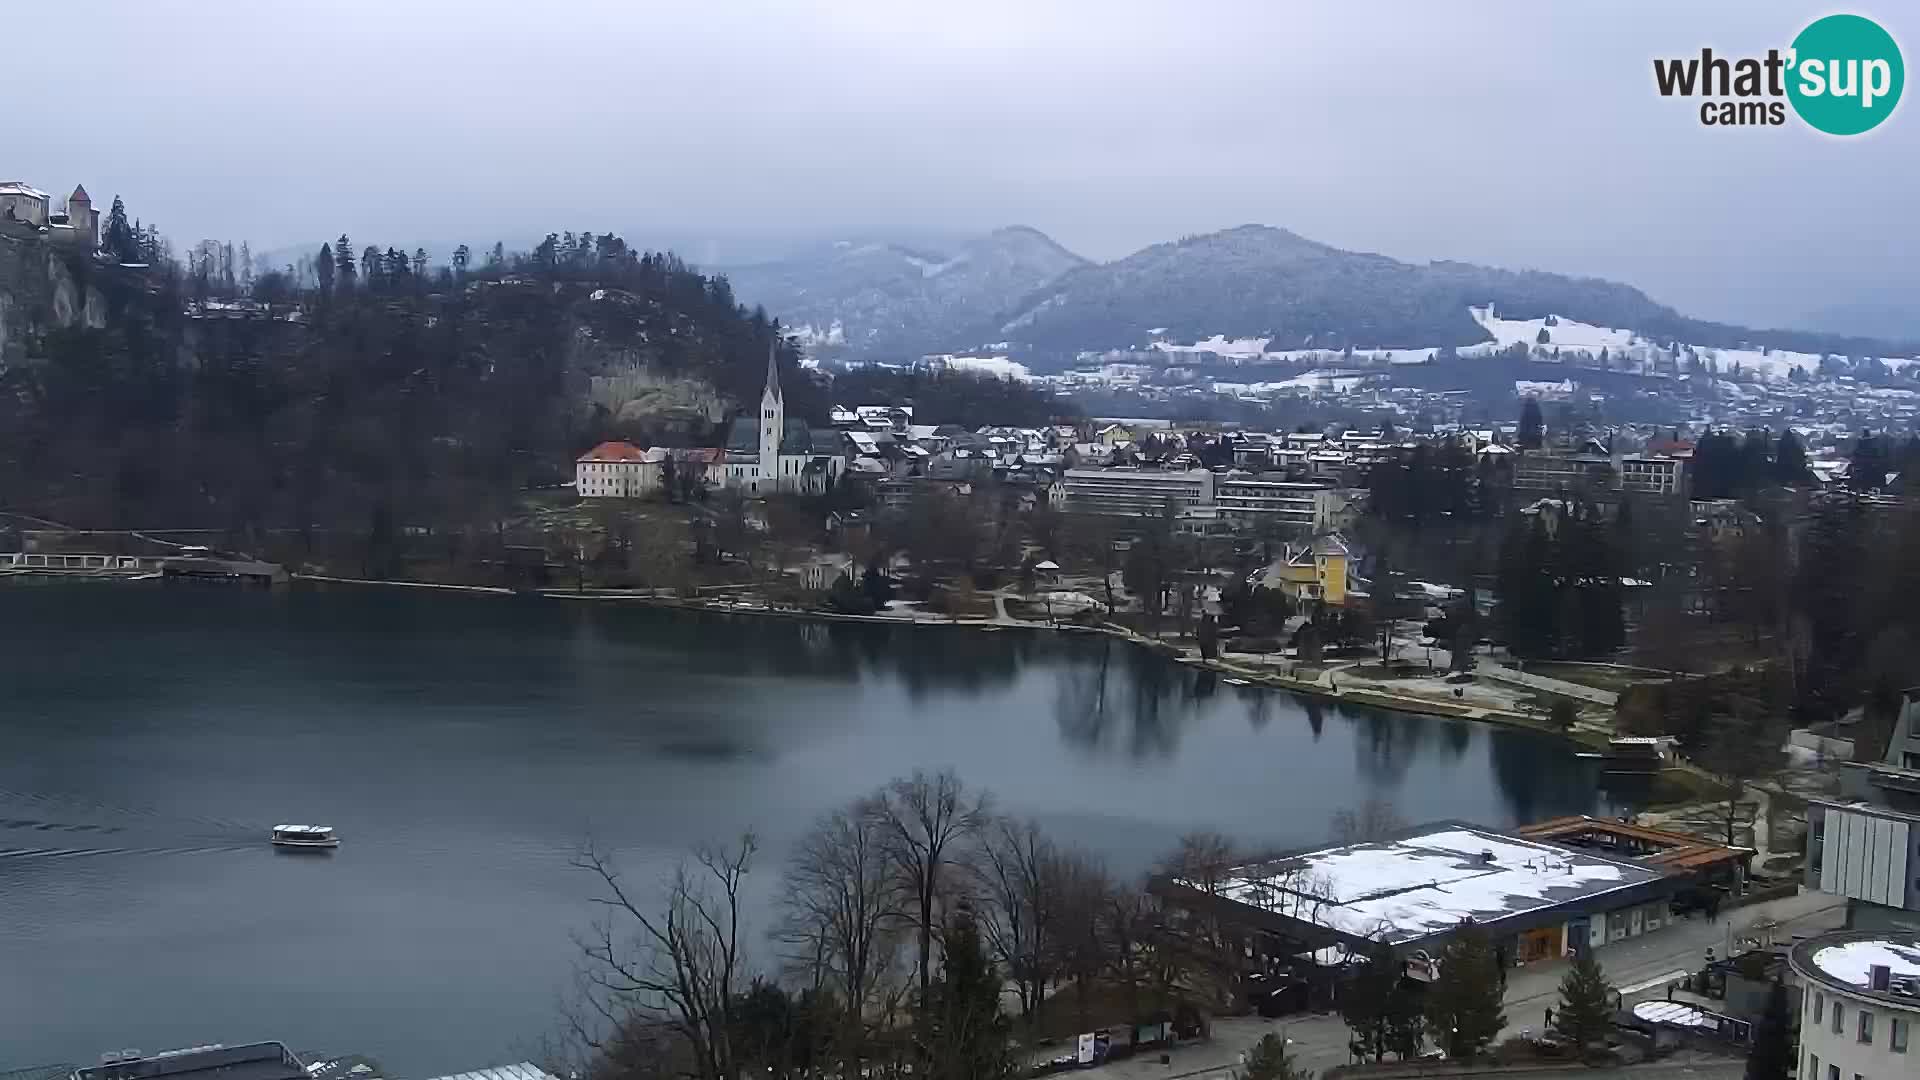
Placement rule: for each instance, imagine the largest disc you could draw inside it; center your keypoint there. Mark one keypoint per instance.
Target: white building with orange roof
(617, 469)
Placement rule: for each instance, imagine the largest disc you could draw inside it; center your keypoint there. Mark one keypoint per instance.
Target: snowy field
(1566, 339)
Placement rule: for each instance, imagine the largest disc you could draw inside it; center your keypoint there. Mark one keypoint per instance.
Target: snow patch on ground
(1219, 345)
(999, 367)
(1568, 334)
(1332, 381)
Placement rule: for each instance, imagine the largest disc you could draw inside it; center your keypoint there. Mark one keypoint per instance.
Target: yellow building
(1314, 571)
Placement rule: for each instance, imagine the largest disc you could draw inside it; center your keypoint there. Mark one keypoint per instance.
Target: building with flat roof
(1864, 852)
(1859, 1000)
(1133, 492)
(1540, 470)
(253, 1061)
(1652, 475)
(1301, 506)
(1536, 899)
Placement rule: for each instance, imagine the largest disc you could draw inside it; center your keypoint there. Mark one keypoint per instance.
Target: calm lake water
(465, 746)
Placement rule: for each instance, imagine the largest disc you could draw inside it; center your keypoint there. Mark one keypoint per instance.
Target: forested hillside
(1256, 281)
(896, 301)
(380, 395)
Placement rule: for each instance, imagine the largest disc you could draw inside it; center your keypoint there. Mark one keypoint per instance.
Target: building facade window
(1866, 1026)
(1833, 1072)
(1813, 1067)
(1897, 1035)
(1838, 1024)
(1819, 1011)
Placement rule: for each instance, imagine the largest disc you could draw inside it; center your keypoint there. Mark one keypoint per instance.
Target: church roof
(79, 194)
(743, 436)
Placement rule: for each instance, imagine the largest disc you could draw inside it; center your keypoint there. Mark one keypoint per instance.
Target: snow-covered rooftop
(1676, 1012)
(1427, 883)
(1853, 961)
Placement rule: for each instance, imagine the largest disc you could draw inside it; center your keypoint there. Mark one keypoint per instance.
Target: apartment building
(1133, 491)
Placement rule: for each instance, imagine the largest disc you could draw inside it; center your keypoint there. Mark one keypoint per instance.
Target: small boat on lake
(305, 836)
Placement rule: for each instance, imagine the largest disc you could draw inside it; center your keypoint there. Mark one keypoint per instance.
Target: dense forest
(372, 392)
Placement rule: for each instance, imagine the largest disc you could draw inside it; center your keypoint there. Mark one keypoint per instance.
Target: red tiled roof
(79, 192)
(614, 450)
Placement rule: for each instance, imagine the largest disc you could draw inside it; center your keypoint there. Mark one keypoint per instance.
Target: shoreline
(1369, 697)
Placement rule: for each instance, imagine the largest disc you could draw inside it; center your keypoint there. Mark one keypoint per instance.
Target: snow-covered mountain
(1261, 284)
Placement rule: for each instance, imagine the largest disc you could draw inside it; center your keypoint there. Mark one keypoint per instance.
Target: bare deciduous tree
(1084, 889)
(1197, 943)
(927, 824)
(674, 965)
(839, 902)
(1126, 928)
(1020, 873)
(1375, 819)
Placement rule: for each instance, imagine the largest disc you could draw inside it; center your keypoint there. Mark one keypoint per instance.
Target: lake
(465, 746)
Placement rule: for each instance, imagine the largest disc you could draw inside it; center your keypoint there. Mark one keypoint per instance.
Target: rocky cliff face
(38, 293)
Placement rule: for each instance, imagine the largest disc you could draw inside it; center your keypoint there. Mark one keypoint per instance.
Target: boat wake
(125, 832)
(76, 853)
(64, 805)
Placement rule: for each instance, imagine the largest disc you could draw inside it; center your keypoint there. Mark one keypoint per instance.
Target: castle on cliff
(24, 207)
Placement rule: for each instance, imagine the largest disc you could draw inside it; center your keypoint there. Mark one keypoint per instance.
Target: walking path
(1493, 669)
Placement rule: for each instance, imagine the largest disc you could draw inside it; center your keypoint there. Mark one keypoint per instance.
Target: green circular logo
(1846, 74)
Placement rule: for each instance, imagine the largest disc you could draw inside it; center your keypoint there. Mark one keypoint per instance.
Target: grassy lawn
(1599, 678)
(1680, 787)
(1382, 673)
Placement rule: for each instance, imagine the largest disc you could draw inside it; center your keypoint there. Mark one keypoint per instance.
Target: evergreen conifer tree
(966, 1031)
(1268, 1060)
(1463, 1004)
(118, 238)
(1532, 425)
(1586, 1000)
(343, 263)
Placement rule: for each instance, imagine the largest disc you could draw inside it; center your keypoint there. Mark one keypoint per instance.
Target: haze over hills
(1017, 286)
(878, 297)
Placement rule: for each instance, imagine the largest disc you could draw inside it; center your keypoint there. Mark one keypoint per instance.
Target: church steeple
(773, 373)
(773, 428)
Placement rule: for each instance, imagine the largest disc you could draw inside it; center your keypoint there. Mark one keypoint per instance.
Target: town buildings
(764, 454)
(1859, 1002)
(1865, 844)
(1135, 492)
(1319, 570)
(617, 470)
(1300, 507)
(1652, 475)
(772, 453)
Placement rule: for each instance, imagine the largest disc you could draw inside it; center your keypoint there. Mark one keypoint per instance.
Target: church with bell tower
(769, 454)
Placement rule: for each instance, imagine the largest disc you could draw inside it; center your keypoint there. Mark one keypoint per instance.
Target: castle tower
(83, 218)
(773, 424)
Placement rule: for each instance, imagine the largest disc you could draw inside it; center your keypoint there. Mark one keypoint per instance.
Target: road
(1641, 967)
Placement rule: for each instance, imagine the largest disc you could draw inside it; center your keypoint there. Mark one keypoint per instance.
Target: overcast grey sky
(1523, 134)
